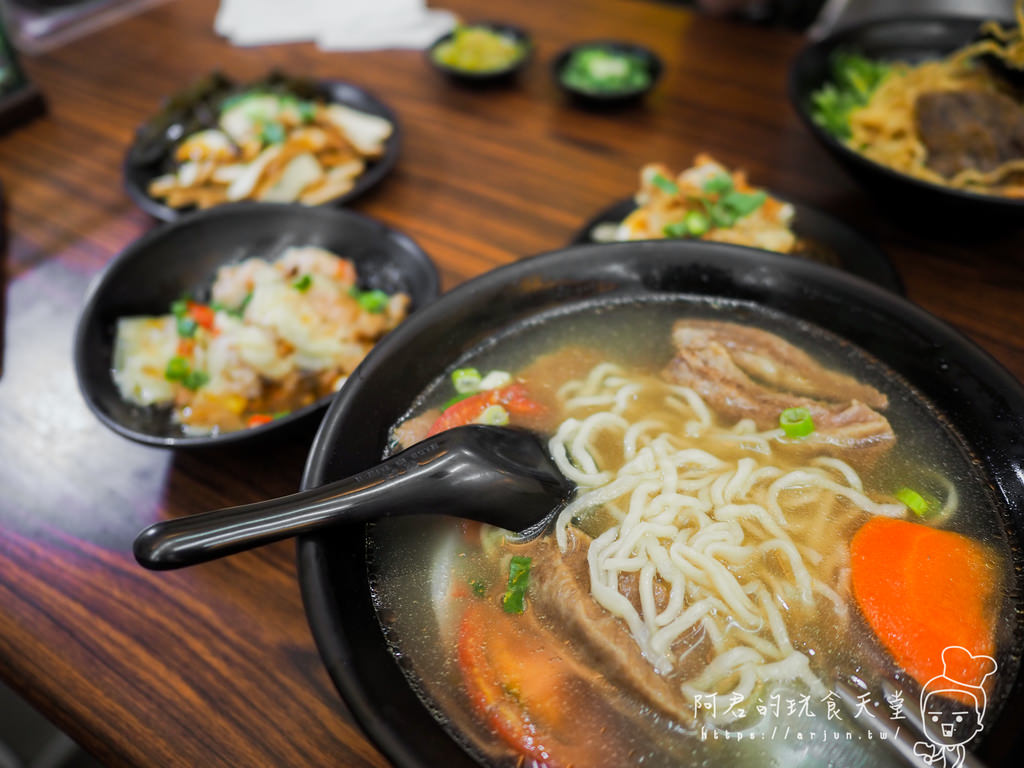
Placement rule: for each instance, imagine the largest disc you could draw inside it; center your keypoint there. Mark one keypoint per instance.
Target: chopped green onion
(177, 368)
(195, 379)
(494, 415)
(186, 326)
(676, 229)
(796, 422)
(496, 379)
(303, 283)
(720, 183)
(374, 301)
(179, 308)
(665, 184)
(466, 380)
(513, 601)
(306, 110)
(696, 223)
(743, 203)
(913, 501)
(272, 132)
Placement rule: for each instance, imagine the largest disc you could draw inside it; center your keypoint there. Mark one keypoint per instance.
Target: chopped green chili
(796, 422)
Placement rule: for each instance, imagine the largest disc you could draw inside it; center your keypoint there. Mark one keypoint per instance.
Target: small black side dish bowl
(607, 98)
(982, 400)
(502, 75)
(910, 39)
(195, 107)
(183, 257)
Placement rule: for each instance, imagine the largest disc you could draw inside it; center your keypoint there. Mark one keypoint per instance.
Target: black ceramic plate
(828, 241)
(985, 403)
(184, 256)
(607, 98)
(140, 167)
(502, 75)
(901, 39)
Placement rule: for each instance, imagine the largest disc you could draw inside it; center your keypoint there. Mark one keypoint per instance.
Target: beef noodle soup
(761, 510)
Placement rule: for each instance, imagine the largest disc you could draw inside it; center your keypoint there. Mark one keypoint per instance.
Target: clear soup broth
(715, 573)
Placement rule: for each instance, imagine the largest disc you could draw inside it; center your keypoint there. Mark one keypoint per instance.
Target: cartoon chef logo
(953, 707)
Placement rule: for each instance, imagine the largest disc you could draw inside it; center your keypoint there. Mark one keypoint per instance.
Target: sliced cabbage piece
(142, 348)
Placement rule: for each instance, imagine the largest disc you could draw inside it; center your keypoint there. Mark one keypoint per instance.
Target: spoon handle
(466, 472)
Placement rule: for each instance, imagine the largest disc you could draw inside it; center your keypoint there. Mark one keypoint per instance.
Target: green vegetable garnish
(186, 326)
(177, 368)
(513, 601)
(179, 308)
(676, 229)
(796, 422)
(272, 132)
(854, 80)
(495, 415)
(719, 184)
(478, 586)
(373, 301)
(598, 69)
(195, 379)
(665, 184)
(303, 283)
(914, 501)
(466, 380)
(696, 223)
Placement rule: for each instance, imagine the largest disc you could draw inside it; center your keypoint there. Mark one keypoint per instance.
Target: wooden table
(215, 665)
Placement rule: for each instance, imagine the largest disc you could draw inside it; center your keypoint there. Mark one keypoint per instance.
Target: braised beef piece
(739, 381)
(560, 596)
(969, 129)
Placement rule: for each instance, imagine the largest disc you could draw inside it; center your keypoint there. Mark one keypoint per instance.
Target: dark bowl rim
(834, 41)
(655, 68)
(521, 35)
(140, 245)
(311, 557)
(367, 180)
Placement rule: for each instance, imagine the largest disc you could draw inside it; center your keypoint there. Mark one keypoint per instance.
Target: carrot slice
(923, 590)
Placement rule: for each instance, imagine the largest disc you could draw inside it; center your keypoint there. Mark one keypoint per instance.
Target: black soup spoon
(497, 475)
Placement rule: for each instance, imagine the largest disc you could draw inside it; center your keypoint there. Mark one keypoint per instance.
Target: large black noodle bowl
(983, 400)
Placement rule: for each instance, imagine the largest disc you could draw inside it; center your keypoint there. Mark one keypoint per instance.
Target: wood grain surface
(215, 665)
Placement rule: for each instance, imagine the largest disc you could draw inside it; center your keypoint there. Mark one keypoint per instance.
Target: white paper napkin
(333, 24)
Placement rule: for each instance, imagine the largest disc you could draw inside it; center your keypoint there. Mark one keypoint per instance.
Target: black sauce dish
(980, 398)
(151, 153)
(499, 76)
(183, 257)
(597, 98)
(910, 39)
